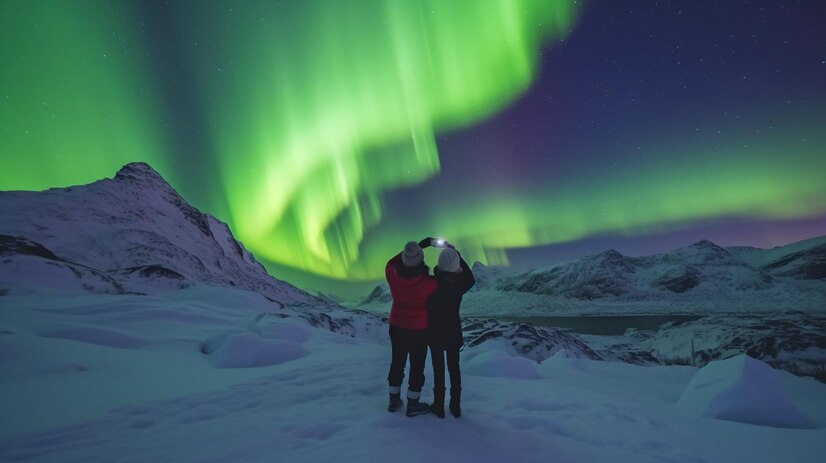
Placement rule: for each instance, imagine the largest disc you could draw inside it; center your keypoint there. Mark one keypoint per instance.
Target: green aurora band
(315, 110)
(342, 108)
(691, 184)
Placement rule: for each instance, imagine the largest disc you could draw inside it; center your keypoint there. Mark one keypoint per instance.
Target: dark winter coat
(410, 288)
(444, 323)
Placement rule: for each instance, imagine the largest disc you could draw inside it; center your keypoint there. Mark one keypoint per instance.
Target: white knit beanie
(449, 261)
(412, 255)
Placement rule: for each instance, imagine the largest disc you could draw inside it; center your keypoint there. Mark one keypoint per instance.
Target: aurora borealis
(329, 133)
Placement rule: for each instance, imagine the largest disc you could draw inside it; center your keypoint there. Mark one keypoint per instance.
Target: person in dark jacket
(454, 279)
(411, 285)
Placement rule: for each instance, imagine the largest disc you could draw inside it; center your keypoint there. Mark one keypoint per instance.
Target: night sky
(527, 133)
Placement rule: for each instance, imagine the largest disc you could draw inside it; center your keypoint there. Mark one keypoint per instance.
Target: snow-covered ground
(221, 374)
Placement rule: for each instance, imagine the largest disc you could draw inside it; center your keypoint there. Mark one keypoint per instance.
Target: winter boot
(414, 407)
(438, 407)
(455, 399)
(395, 402)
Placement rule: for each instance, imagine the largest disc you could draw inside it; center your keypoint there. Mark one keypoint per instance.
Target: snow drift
(742, 389)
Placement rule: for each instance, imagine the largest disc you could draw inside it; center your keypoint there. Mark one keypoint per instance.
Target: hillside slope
(131, 233)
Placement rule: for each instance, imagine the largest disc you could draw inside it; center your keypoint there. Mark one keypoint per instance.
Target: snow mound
(742, 389)
(494, 363)
(246, 350)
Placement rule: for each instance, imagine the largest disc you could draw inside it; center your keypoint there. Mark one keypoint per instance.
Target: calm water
(603, 325)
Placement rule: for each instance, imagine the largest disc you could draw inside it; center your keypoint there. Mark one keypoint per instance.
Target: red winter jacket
(410, 295)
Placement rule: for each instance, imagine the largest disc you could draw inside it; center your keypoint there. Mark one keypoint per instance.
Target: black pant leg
(398, 343)
(453, 367)
(437, 357)
(418, 356)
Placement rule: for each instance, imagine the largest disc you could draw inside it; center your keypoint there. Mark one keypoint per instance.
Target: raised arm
(467, 275)
(426, 243)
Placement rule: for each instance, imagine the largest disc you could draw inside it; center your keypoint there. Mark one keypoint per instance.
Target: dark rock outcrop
(678, 280)
(536, 343)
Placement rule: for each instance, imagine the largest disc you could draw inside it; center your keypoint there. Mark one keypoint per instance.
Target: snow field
(77, 386)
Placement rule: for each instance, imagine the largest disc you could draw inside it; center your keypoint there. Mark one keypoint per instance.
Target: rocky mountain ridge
(130, 233)
(701, 270)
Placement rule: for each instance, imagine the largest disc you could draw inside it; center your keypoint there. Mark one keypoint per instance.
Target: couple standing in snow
(425, 313)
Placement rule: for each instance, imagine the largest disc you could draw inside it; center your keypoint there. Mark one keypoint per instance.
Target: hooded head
(412, 255)
(449, 261)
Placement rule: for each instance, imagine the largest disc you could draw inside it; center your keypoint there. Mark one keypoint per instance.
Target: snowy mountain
(379, 295)
(699, 278)
(131, 233)
(803, 260)
(700, 272)
(486, 277)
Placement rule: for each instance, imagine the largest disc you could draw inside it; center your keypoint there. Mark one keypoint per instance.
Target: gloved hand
(426, 243)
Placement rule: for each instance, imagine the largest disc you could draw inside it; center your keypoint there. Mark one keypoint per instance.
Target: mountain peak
(707, 246)
(704, 243)
(138, 171)
(609, 254)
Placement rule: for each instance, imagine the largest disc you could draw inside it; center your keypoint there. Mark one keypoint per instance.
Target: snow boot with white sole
(414, 407)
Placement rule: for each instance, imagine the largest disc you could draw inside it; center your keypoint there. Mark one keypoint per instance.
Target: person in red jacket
(410, 286)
